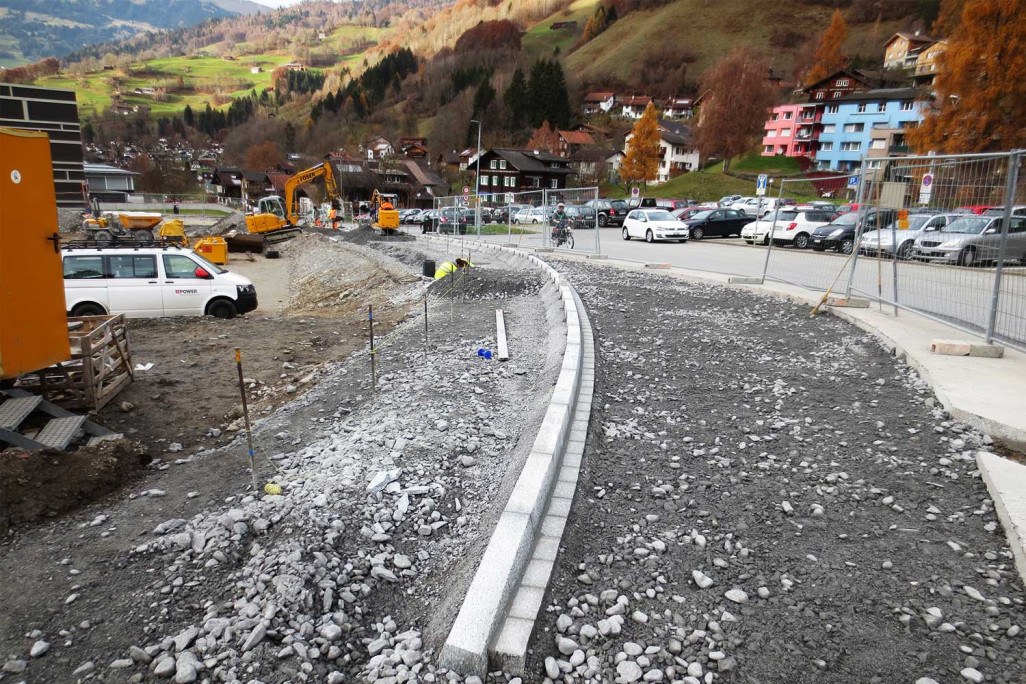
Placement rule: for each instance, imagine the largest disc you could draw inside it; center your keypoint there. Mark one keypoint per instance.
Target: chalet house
(838, 84)
(414, 146)
(677, 147)
(227, 182)
(678, 108)
(449, 161)
(255, 70)
(510, 170)
(467, 157)
(563, 26)
(572, 141)
(902, 50)
(634, 106)
(294, 66)
(379, 148)
(595, 166)
(599, 102)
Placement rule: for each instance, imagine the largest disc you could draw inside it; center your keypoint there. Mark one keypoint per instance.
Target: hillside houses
(678, 153)
(633, 106)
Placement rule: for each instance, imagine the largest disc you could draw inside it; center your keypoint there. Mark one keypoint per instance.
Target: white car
(654, 224)
(756, 206)
(883, 241)
(532, 215)
(792, 226)
(148, 282)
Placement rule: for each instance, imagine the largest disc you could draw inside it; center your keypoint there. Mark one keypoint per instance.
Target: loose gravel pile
(767, 497)
(354, 571)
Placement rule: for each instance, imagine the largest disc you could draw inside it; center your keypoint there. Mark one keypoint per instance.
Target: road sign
(760, 185)
(509, 198)
(635, 192)
(853, 182)
(466, 189)
(926, 188)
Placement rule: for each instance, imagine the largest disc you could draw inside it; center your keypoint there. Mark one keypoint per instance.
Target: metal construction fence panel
(522, 218)
(941, 235)
(787, 259)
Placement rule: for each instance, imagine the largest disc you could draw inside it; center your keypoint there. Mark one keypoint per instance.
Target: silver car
(972, 240)
(884, 240)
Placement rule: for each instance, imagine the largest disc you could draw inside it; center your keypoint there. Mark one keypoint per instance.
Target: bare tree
(737, 97)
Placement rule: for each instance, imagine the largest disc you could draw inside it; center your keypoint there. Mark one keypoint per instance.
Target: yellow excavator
(387, 215)
(277, 219)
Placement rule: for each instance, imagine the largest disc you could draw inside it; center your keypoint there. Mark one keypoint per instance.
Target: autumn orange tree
(263, 156)
(948, 16)
(544, 138)
(829, 58)
(980, 102)
(736, 102)
(641, 163)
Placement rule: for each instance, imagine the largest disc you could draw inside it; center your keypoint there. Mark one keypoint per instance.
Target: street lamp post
(477, 182)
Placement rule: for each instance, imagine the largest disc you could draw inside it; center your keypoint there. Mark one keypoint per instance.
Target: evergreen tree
(548, 99)
(188, 117)
(517, 99)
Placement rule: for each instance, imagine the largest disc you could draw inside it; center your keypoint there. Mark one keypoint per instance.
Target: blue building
(852, 126)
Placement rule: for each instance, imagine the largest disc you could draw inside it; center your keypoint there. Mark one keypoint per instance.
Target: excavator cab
(271, 205)
(387, 215)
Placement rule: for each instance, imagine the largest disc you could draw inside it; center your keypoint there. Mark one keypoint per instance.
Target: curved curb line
(521, 523)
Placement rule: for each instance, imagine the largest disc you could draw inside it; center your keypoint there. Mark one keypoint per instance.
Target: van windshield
(212, 268)
(967, 224)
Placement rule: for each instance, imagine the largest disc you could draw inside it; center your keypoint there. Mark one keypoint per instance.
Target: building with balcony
(902, 50)
(926, 63)
(838, 84)
(852, 124)
(884, 141)
(792, 130)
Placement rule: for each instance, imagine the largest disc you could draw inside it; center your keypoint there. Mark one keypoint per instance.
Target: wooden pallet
(100, 365)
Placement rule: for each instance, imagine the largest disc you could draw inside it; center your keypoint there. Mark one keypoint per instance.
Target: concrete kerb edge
(505, 558)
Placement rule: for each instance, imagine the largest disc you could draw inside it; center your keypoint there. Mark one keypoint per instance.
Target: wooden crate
(100, 365)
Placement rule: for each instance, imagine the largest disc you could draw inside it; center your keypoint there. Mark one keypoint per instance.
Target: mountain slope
(31, 30)
(700, 33)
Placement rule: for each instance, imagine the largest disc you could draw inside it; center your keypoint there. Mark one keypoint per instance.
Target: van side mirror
(201, 272)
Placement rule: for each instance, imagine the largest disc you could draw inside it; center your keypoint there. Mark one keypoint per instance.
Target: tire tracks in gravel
(807, 474)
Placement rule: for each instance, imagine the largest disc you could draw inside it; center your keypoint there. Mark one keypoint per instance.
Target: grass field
(703, 186)
(756, 163)
(540, 40)
(202, 76)
(709, 31)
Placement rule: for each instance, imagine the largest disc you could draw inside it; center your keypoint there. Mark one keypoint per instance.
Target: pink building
(792, 130)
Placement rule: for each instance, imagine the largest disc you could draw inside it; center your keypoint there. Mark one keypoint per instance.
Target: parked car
(717, 223)
(672, 205)
(728, 200)
(1017, 210)
(791, 226)
(839, 234)
(504, 214)
(756, 206)
(148, 282)
(654, 224)
(884, 240)
(533, 215)
(641, 203)
(978, 209)
(610, 212)
(688, 212)
(579, 217)
(972, 240)
(451, 221)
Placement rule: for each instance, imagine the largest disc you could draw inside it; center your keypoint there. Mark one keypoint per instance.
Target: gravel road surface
(767, 497)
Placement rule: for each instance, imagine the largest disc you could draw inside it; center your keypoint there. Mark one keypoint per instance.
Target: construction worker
(333, 216)
(386, 205)
(451, 267)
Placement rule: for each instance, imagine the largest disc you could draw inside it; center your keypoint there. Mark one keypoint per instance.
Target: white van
(147, 282)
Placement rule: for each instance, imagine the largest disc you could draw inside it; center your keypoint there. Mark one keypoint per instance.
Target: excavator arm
(321, 170)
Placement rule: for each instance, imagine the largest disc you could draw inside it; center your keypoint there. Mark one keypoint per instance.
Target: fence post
(862, 211)
(772, 229)
(598, 241)
(894, 264)
(1014, 159)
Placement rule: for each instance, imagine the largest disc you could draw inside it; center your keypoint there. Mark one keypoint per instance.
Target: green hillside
(541, 41)
(708, 31)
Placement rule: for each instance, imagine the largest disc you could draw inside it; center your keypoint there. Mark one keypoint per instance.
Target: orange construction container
(213, 249)
(33, 320)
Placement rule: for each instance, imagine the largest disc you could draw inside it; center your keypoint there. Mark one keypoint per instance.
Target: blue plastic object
(480, 352)
(488, 354)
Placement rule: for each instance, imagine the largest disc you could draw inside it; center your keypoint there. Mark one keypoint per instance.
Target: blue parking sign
(760, 185)
(853, 181)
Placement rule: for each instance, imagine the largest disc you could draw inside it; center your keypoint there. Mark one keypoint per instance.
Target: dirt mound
(483, 283)
(46, 483)
(234, 221)
(365, 235)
